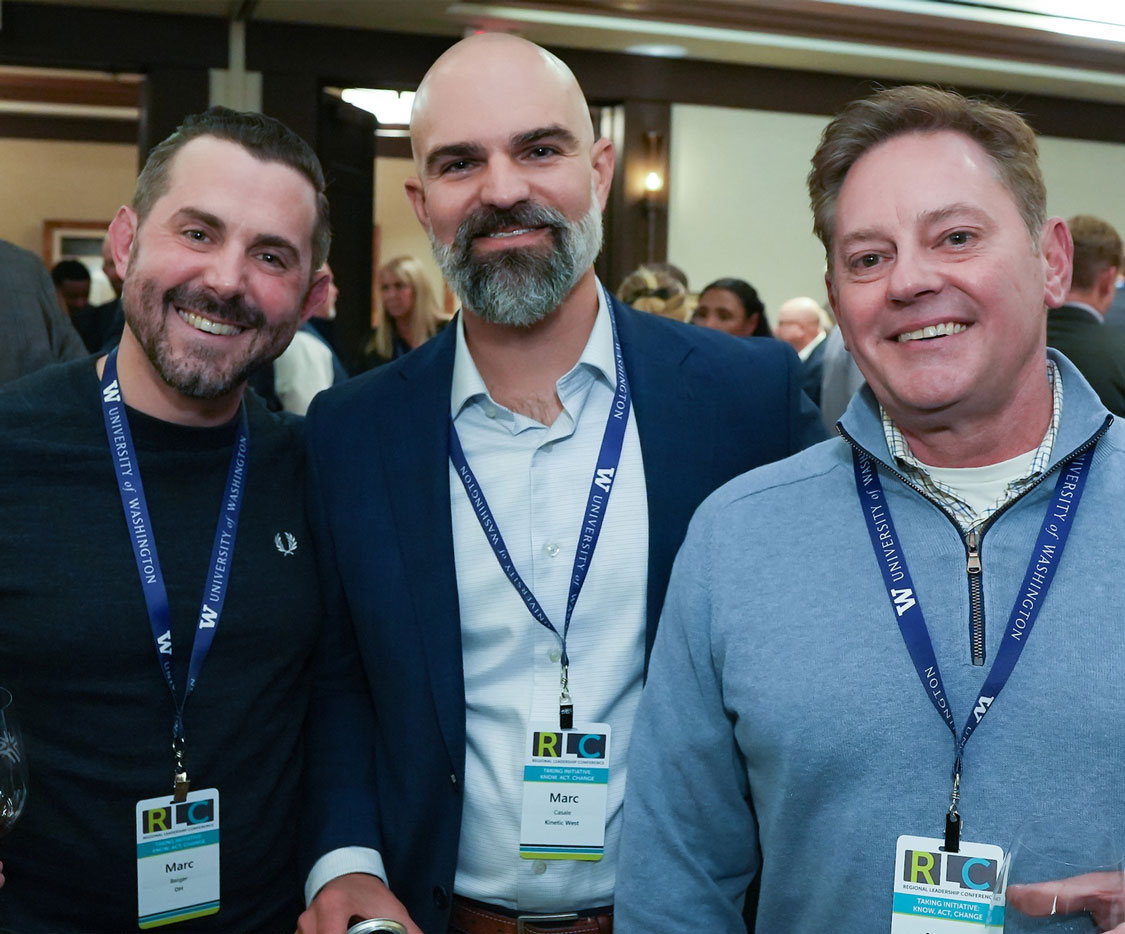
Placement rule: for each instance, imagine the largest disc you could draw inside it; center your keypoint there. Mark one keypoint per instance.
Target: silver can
(377, 926)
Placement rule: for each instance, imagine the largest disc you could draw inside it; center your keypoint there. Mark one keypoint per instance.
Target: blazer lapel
(416, 456)
(666, 412)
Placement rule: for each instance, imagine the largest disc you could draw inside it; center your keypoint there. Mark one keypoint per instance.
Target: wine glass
(1056, 883)
(13, 766)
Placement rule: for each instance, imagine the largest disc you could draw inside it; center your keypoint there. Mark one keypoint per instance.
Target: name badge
(565, 785)
(177, 858)
(946, 893)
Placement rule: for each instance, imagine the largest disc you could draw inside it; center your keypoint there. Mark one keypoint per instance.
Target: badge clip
(953, 818)
(180, 782)
(566, 706)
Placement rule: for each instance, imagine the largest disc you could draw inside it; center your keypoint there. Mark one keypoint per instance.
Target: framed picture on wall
(80, 240)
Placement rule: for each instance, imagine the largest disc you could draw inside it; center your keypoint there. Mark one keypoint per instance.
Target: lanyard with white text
(908, 610)
(133, 501)
(601, 485)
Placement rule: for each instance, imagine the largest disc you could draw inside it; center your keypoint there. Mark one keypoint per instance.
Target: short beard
(202, 374)
(520, 287)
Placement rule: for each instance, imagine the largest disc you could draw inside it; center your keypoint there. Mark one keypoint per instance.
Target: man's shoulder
(396, 386)
(48, 390)
(795, 478)
(17, 255)
(706, 341)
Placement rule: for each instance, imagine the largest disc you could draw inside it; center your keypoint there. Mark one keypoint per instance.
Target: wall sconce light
(653, 186)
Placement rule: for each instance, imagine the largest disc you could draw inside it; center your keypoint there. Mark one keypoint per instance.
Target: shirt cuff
(340, 862)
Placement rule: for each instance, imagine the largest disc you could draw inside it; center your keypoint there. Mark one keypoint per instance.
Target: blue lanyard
(908, 609)
(601, 485)
(135, 505)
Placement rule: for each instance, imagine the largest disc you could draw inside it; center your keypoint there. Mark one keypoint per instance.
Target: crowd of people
(511, 632)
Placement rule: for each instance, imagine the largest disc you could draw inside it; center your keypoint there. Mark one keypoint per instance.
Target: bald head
(495, 70)
(799, 320)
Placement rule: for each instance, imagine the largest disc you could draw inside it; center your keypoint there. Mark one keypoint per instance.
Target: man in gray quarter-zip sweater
(803, 734)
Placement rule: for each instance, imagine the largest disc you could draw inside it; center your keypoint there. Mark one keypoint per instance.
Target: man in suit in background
(1076, 328)
(800, 323)
(1115, 317)
(461, 493)
(36, 329)
(100, 326)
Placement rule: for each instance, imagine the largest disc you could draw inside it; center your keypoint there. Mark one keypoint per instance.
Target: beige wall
(739, 207)
(49, 180)
(400, 232)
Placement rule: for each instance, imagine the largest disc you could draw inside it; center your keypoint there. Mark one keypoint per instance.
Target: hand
(1, 875)
(1099, 893)
(354, 894)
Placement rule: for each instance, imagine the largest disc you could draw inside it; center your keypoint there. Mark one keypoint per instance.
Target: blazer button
(441, 898)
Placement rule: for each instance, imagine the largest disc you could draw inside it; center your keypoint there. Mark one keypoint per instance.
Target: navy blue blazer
(387, 721)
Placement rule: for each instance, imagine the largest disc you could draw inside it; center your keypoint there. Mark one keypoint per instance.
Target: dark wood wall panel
(108, 40)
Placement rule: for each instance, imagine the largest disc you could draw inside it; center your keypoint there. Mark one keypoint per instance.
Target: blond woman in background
(411, 314)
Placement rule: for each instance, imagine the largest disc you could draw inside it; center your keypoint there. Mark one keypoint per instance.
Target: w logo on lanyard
(903, 599)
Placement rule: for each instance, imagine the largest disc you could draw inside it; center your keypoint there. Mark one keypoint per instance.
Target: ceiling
(1019, 45)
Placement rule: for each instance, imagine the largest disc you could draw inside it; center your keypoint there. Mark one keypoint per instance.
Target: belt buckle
(521, 920)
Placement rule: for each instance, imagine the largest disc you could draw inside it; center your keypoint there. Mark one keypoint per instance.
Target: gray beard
(520, 287)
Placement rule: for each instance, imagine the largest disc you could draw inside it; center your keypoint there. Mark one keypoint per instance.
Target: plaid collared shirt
(944, 495)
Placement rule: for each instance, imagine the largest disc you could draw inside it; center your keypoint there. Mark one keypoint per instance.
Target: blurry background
(715, 107)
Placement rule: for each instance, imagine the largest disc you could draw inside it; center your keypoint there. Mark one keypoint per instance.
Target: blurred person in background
(411, 313)
(100, 326)
(72, 285)
(36, 329)
(1076, 327)
(656, 290)
(307, 366)
(732, 306)
(801, 324)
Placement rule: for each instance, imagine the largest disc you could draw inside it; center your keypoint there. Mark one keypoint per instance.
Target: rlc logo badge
(285, 542)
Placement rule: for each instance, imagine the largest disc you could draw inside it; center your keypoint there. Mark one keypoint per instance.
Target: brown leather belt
(473, 917)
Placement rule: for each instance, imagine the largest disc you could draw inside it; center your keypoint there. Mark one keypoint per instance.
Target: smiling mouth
(518, 232)
(206, 325)
(931, 331)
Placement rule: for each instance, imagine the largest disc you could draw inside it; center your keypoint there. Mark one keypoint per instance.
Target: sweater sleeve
(689, 846)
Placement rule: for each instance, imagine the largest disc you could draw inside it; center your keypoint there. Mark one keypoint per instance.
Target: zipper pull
(973, 565)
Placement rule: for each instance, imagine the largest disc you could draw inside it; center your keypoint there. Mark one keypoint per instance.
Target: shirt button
(554, 654)
(490, 410)
(551, 549)
(540, 867)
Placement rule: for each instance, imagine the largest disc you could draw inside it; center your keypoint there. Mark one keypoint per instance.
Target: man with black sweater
(158, 599)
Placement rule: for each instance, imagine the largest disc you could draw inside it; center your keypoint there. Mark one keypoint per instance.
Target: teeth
(932, 330)
(205, 324)
(510, 233)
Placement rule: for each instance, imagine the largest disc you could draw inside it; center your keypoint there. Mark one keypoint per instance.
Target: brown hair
(265, 138)
(1097, 246)
(862, 125)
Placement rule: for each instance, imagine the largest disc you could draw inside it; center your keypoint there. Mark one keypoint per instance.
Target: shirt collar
(917, 471)
(597, 356)
(807, 350)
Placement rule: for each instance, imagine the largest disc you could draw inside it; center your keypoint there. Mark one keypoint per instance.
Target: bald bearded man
(497, 514)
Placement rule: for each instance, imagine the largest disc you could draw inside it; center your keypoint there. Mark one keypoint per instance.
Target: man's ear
(603, 158)
(317, 294)
(1057, 248)
(417, 196)
(122, 233)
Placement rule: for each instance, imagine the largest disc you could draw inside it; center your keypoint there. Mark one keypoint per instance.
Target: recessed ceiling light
(659, 50)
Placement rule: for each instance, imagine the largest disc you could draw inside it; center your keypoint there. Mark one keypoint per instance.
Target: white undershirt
(982, 487)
